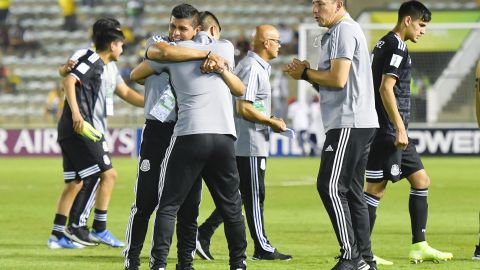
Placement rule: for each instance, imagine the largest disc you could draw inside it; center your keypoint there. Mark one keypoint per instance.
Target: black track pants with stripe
(155, 140)
(340, 185)
(212, 157)
(252, 188)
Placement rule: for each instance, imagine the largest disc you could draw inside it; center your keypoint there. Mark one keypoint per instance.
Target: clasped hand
(214, 63)
(295, 68)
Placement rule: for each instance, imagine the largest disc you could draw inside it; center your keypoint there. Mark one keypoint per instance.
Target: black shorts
(387, 162)
(83, 157)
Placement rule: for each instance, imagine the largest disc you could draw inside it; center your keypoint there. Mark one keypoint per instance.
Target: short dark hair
(414, 9)
(104, 37)
(208, 19)
(103, 24)
(186, 11)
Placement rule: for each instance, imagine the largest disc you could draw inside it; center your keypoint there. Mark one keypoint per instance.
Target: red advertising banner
(43, 142)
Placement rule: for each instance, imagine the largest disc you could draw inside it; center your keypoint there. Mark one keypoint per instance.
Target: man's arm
(335, 77)
(390, 104)
(141, 72)
(246, 110)
(69, 87)
(129, 95)
(163, 51)
(64, 69)
(237, 88)
(477, 90)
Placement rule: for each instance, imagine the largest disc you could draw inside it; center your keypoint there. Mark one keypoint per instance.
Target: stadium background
(30, 181)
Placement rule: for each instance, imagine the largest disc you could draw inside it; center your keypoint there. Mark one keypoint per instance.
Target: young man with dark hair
(344, 81)
(392, 157)
(160, 120)
(99, 193)
(205, 123)
(84, 160)
(160, 117)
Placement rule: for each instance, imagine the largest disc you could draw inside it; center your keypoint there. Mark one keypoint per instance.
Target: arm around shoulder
(141, 71)
(163, 51)
(129, 95)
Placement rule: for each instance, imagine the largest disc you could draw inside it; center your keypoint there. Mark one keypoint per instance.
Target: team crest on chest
(395, 170)
(145, 166)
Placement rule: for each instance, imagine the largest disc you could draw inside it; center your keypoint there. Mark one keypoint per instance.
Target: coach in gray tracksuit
(344, 80)
(202, 145)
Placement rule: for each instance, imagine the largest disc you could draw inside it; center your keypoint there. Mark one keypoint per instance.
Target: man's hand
(213, 63)
(295, 68)
(67, 67)
(277, 124)
(401, 139)
(77, 122)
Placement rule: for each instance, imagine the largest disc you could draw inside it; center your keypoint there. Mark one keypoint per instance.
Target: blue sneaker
(106, 237)
(64, 242)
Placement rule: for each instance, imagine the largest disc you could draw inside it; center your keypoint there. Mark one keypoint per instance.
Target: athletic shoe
(381, 261)
(372, 264)
(79, 235)
(241, 266)
(476, 255)
(344, 264)
(132, 263)
(63, 242)
(184, 267)
(275, 255)
(421, 251)
(203, 249)
(107, 238)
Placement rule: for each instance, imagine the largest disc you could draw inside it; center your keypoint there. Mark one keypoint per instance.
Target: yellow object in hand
(90, 132)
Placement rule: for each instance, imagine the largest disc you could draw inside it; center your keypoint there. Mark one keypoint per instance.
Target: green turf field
(296, 221)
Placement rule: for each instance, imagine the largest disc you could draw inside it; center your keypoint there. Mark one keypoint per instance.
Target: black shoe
(372, 264)
(79, 235)
(362, 265)
(275, 255)
(184, 267)
(203, 249)
(133, 264)
(242, 266)
(344, 264)
(476, 255)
